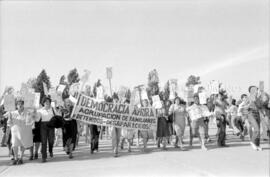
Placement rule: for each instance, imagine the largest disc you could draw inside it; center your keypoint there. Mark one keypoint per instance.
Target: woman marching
(47, 133)
(220, 107)
(69, 130)
(162, 127)
(20, 122)
(178, 110)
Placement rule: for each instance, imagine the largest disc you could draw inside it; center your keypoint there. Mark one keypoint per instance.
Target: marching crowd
(34, 128)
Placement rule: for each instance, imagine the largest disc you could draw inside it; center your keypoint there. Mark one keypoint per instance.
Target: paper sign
(190, 94)
(100, 93)
(61, 88)
(122, 93)
(135, 97)
(45, 89)
(202, 97)
(214, 87)
(85, 77)
(261, 86)
(24, 89)
(9, 102)
(75, 87)
(156, 102)
(109, 72)
(31, 100)
(72, 99)
(144, 94)
(173, 88)
(56, 98)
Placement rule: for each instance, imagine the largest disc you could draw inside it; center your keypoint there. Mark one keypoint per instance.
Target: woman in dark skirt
(94, 133)
(162, 127)
(69, 131)
(168, 104)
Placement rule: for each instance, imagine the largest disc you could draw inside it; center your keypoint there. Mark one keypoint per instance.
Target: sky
(225, 40)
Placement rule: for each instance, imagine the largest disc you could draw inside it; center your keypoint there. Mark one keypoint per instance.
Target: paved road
(237, 160)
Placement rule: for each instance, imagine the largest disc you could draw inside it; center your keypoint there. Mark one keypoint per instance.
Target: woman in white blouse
(20, 122)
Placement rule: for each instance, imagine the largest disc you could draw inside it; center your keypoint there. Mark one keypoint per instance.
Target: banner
(89, 110)
(9, 102)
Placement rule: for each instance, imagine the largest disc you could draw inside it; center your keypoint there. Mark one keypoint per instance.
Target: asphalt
(239, 159)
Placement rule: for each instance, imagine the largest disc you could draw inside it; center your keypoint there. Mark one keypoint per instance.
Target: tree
(153, 80)
(193, 80)
(73, 76)
(42, 77)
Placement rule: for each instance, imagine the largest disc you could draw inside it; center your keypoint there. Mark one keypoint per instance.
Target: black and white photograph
(134, 88)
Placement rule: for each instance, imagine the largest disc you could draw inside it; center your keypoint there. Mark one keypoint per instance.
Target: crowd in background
(35, 129)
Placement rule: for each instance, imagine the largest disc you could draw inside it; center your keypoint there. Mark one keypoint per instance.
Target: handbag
(56, 121)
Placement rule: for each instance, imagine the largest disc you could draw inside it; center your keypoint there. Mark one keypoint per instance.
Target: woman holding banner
(178, 111)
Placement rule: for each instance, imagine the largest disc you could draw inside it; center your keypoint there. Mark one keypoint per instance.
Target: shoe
(51, 154)
(44, 160)
(19, 162)
(225, 145)
(115, 155)
(176, 146)
(164, 149)
(70, 156)
(259, 148)
(14, 162)
(31, 158)
(204, 148)
(92, 152)
(36, 156)
(253, 146)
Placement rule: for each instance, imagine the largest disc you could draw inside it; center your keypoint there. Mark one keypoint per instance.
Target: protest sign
(109, 72)
(261, 86)
(45, 89)
(61, 88)
(122, 93)
(202, 97)
(190, 94)
(24, 89)
(75, 87)
(31, 100)
(119, 115)
(173, 88)
(156, 102)
(72, 99)
(57, 98)
(100, 93)
(9, 102)
(144, 94)
(214, 87)
(135, 97)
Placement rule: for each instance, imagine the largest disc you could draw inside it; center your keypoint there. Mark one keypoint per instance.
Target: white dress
(21, 129)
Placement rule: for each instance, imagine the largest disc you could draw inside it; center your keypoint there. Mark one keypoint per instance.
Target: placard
(156, 102)
(9, 102)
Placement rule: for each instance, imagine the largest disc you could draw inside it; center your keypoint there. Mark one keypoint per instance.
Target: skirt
(162, 128)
